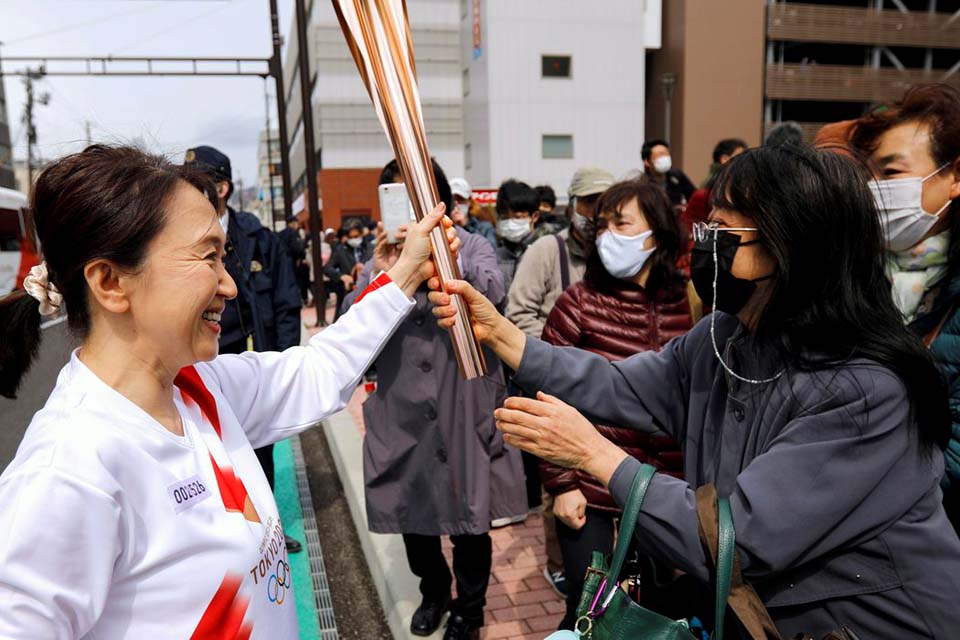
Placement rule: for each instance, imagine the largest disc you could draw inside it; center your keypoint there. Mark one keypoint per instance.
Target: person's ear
(109, 286)
(955, 184)
(223, 188)
(535, 217)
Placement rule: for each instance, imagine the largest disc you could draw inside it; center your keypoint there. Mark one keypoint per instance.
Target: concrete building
(7, 178)
(551, 85)
(270, 179)
(830, 61)
(528, 90)
(348, 133)
(737, 68)
(20, 174)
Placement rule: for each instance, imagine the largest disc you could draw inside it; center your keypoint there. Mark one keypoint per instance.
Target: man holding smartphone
(434, 463)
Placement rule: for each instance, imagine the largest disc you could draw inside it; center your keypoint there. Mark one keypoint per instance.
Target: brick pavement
(520, 603)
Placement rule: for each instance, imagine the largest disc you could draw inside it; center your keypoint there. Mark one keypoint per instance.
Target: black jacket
(344, 258)
(267, 291)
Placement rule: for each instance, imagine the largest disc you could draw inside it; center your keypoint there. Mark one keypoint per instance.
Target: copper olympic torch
(378, 34)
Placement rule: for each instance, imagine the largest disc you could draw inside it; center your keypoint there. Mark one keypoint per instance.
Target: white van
(17, 252)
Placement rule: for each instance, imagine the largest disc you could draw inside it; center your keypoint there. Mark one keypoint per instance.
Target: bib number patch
(186, 493)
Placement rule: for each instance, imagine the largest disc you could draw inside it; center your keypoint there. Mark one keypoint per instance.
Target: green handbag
(607, 613)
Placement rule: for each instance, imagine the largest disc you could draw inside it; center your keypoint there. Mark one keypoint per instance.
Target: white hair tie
(37, 284)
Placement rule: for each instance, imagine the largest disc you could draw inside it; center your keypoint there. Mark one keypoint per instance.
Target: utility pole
(28, 122)
(240, 191)
(86, 126)
(310, 148)
(266, 114)
(276, 70)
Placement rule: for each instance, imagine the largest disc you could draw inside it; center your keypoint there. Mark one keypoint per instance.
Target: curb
(397, 588)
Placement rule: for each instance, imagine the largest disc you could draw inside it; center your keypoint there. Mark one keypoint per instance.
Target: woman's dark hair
(937, 105)
(726, 147)
(664, 276)
(104, 203)
(391, 171)
(830, 300)
(546, 194)
(514, 195)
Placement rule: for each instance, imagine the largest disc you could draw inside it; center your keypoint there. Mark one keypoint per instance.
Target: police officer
(265, 315)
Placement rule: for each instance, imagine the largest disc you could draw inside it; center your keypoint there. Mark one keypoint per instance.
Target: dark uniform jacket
(267, 305)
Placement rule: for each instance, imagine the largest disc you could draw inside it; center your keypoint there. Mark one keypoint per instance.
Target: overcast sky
(168, 115)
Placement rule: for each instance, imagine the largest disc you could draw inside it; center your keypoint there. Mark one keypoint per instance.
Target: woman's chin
(207, 350)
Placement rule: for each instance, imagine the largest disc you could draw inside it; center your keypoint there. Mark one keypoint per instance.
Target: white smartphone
(396, 209)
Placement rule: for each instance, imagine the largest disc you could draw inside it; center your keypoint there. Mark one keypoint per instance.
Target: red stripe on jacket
(381, 281)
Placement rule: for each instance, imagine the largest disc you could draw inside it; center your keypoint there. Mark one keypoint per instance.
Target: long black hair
(830, 300)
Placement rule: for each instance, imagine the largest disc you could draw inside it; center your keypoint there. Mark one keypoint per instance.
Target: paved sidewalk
(520, 602)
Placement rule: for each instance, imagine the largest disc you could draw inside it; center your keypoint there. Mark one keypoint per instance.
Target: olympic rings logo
(279, 582)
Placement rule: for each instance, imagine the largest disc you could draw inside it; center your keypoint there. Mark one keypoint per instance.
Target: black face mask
(732, 292)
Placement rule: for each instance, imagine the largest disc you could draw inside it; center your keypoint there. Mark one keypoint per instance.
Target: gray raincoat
(837, 508)
(433, 461)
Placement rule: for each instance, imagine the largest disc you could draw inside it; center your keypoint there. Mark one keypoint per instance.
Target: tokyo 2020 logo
(279, 582)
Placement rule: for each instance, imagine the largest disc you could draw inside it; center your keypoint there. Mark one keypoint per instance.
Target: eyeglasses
(702, 230)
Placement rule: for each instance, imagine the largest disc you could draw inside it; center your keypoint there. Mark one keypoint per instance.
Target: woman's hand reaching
(489, 326)
(553, 430)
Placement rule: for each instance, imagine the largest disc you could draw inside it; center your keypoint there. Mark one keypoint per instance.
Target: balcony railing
(846, 25)
(853, 84)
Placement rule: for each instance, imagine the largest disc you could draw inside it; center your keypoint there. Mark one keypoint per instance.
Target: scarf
(915, 272)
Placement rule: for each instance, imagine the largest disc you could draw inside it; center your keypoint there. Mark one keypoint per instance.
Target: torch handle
(466, 347)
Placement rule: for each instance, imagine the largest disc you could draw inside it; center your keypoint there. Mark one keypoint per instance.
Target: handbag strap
(715, 517)
(628, 523)
(726, 547)
(564, 263)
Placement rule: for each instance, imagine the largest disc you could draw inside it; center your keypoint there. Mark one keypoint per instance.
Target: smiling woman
(138, 479)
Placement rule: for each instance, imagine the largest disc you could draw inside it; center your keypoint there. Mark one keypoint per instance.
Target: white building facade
(269, 177)
(525, 89)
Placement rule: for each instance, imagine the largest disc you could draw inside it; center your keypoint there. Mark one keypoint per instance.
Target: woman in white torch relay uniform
(135, 507)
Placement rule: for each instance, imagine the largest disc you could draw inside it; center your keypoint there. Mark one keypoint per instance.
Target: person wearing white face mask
(346, 262)
(914, 148)
(633, 298)
(518, 209)
(462, 216)
(658, 166)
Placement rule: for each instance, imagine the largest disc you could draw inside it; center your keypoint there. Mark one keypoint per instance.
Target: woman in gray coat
(434, 463)
(802, 398)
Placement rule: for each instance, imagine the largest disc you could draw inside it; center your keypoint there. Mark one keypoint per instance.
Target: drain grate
(318, 572)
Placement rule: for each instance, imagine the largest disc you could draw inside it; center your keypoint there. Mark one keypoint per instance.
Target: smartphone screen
(396, 209)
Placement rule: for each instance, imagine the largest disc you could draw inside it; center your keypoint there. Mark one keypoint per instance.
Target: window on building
(468, 156)
(466, 82)
(557, 146)
(555, 66)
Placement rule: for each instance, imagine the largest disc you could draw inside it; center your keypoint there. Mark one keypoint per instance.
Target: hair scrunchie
(37, 284)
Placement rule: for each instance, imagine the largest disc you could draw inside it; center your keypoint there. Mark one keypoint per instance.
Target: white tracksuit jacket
(113, 527)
